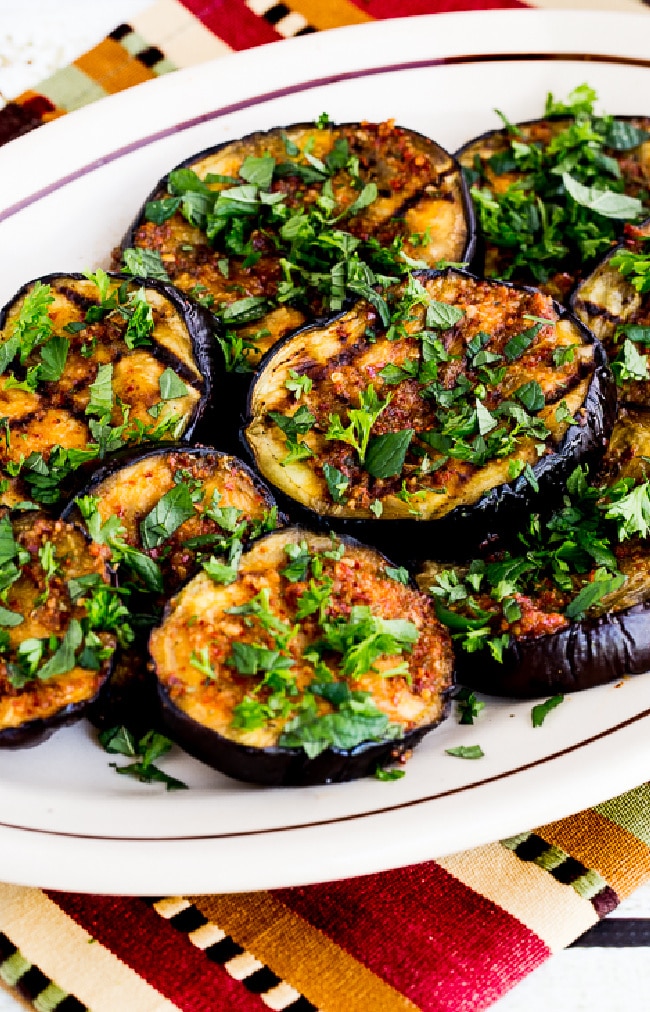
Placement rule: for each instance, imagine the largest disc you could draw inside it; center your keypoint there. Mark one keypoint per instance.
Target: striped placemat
(443, 936)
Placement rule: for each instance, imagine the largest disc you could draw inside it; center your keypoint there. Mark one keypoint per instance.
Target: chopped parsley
(568, 199)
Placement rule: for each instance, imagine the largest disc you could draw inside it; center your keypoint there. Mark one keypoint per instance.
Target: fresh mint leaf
(159, 211)
(172, 510)
(386, 453)
(604, 202)
(54, 355)
(466, 752)
(144, 263)
(8, 618)
(591, 594)
(520, 343)
(541, 710)
(101, 392)
(399, 574)
(531, 396)
(393, 773)
(442, 315)
(337, 482)
(172, 386)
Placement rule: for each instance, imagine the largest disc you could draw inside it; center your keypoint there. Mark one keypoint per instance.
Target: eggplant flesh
(606, 301)
(421, 201)
(465, 502)
(200, 700)
(36, 700)
(485, 150)
(79, 382)
(130, 487)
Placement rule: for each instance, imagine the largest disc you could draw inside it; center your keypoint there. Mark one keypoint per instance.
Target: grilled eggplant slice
(570, 609)
(541, 223)
(88, 366)
(279, 227)
(430, 434)
(315, 666)
(164, 511)
(59, 619)
(614, 301)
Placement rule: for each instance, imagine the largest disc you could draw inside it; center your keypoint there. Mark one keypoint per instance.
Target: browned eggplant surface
(552, 195)
(282, 226)
(88, 366)
(315, 664)
(162, 513)
(468, 389)
(59, 620)
(614, 302)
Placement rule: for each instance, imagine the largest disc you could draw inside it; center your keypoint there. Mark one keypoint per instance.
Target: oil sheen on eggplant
(367, 190)
(316, 665)
(486, 407)
(89, 366)
(59, 621)
(601, 153)
(178, 506)
(544, 649)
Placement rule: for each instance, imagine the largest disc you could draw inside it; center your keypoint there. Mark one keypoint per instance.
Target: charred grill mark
(168, 358)
(76, 298)
(595, 309)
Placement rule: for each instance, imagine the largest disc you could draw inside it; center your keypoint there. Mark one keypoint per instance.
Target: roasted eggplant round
(440, 430)
(163, 512)
(570, 609)
(90, 364)
(552, 194)
(614, 301)
(59, 622)
(316, 665)
(283, 226)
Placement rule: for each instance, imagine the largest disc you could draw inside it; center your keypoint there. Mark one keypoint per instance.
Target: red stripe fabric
(160, 954)
(433, 939)
(381, 9)
(233, 22)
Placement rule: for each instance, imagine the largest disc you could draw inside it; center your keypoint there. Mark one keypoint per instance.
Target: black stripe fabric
(616, 933)
(120, 32)
(7, 947)
(188, 920)
(71, 1004)
(32, 982)
(224, 950)
(276, 13)
(261, 980)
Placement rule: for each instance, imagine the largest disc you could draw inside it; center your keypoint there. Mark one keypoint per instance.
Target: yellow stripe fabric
(553, 911)
(589, 837)
(301, 954)
(61, 949)
(332, 14)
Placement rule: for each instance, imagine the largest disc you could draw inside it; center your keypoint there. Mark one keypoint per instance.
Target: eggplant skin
(463, 530)
(270, 764)
(35, 732)
(282, 767)
(33, 712)
(585, 654)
